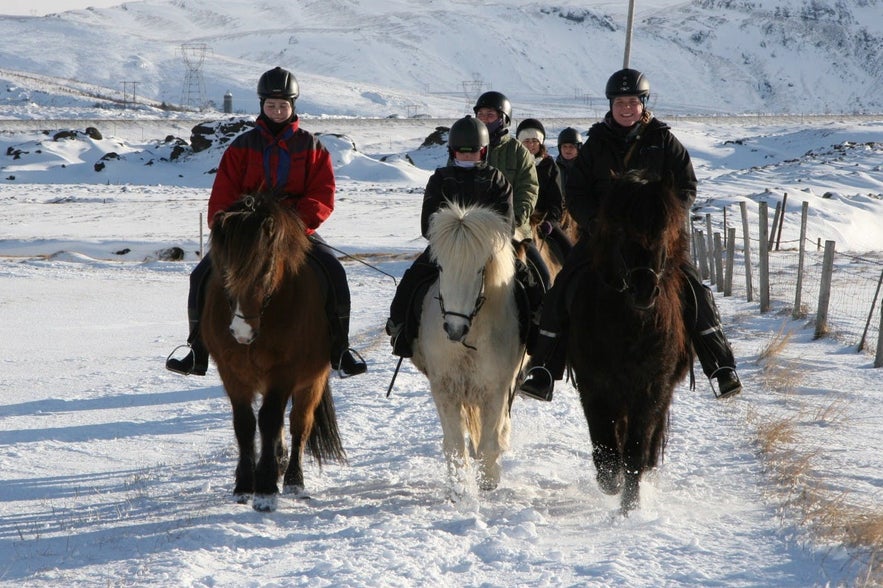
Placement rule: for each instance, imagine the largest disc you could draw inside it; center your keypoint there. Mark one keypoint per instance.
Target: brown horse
(265, 326)
(629, 346)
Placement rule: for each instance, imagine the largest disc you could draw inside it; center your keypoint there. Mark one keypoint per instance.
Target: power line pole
(628, 34)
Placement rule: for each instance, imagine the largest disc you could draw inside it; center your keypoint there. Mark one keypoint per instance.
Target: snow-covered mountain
(405, 58)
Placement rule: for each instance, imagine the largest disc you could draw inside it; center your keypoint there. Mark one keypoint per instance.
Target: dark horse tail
(324, 443)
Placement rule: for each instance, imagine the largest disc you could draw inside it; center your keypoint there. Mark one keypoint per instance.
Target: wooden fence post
(772, 231)
(703, 255)
(763, 229)
(731, 258)
(746, 244)
(804, 213)
(781, 220)
(712, 277)
(825, 290)
(719, 261)
(878, 360)
(861, 343)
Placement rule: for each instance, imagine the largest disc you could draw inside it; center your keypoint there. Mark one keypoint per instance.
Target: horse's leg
(495, 427)
(244, 426)
(606, 443)
(637, 455)
(270, 421)
(303, 405)
(453, 443)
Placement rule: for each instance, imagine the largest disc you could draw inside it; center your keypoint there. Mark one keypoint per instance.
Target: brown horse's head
(640, 235)
(253, 243)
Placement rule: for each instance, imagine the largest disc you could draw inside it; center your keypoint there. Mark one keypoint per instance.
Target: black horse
(629, 346)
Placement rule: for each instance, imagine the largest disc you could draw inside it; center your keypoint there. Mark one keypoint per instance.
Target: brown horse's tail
(324, 442)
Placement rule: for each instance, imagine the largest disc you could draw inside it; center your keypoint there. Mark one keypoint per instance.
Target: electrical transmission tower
(193, 93)
(472, 89)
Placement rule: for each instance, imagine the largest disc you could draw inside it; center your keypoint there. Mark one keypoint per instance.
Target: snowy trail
(118, 472)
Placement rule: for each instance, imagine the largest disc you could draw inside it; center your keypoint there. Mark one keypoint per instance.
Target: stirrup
(528, 388)
(359, 367)
(728, 383)
(176, 365)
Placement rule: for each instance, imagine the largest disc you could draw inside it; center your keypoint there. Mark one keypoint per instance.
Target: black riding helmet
(278, 83)
(628, 82)
(498, 102)
(468, 135)
(570, 135)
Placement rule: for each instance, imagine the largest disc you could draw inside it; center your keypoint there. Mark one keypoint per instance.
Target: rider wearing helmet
(277, 155)
(550, 204)
(467, 179)
(569, 142)
(509, 156)
(630, 137)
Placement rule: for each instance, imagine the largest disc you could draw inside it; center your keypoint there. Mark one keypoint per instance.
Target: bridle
(479, 301)
(260, 314)
(628, 276)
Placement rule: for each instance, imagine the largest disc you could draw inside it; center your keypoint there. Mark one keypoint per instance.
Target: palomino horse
(265, 326)
(468, 345)
(629, 346)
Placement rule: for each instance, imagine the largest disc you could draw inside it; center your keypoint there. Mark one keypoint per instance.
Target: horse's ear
(219, 217)
(614, 175)
(268, 226)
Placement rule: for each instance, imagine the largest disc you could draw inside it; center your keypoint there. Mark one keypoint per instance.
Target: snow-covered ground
(114, 471)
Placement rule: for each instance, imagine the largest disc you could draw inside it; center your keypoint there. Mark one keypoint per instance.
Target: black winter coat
(656, 149)
(481, 184)
(550, 204)
(564, 166)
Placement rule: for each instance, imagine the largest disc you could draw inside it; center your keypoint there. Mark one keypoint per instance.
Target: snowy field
(117, 472)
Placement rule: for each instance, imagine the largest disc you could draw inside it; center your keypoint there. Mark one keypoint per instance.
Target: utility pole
(628, 35)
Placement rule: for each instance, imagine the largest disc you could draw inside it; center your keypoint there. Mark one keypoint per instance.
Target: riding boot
(711, 345)
(546, 365)
(194, 363)
(345, 360)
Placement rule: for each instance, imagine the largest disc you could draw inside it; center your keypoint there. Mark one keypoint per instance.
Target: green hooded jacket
(517, 164)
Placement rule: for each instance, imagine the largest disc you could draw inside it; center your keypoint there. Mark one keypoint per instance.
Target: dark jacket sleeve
(550, 204)
(581, 192)
(433, 198)
(681, 166)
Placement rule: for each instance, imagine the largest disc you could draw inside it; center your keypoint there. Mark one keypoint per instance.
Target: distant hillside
(403, 58)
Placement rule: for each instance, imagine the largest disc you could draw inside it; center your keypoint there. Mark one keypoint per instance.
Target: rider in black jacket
(628, 138)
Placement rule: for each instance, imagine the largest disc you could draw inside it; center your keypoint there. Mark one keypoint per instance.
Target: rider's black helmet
(570, 135)
(278, 83)
(628, 82)
(498, 102)
(468, 135)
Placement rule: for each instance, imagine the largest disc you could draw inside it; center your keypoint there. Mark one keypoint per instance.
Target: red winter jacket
(293, 163)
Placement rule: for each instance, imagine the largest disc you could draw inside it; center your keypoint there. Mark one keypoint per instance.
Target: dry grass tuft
(826, 514)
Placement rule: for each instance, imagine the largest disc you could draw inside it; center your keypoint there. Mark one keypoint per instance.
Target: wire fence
(846, 299)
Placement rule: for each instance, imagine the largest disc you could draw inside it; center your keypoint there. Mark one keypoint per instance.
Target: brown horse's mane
(646, 209)
(258, 241)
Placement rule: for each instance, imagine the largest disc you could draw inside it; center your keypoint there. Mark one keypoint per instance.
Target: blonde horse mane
(468, 237)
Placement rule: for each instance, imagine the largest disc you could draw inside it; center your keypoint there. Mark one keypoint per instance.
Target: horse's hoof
(265, 502)
(294, 491)
(610, 483)
(241, 497)
(486, 486)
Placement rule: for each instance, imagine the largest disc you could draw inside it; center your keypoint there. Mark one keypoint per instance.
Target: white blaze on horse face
(239, 327)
